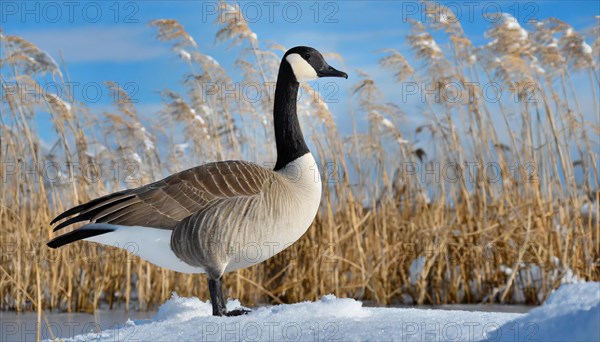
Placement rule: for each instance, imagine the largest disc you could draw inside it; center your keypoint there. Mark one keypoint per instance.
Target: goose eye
(307, 56)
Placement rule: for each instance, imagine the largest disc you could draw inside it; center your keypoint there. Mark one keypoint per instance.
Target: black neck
(288, 135)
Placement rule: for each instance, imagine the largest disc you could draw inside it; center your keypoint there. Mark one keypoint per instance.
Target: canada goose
(222, 216)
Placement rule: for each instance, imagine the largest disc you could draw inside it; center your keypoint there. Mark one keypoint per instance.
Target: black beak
(330, 71)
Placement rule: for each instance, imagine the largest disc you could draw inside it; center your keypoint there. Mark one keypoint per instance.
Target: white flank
(303, 71)
(148, 243)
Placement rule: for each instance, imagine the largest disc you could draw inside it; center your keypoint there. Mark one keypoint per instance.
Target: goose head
(308, 64)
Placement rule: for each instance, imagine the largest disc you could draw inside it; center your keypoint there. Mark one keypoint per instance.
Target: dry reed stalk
(391, 239)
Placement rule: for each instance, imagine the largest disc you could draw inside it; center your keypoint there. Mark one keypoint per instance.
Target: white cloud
(98, 43)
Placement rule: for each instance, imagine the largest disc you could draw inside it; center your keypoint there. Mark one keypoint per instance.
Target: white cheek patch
(303, 71)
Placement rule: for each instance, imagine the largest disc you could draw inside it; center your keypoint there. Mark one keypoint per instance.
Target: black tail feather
(77, 235)
(72, 220)
(87, 206)
(90, 214)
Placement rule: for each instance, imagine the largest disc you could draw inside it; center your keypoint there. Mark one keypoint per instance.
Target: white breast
(305, 181)
(297, 201)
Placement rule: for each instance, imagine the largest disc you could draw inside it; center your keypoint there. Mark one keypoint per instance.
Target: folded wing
(165, 203)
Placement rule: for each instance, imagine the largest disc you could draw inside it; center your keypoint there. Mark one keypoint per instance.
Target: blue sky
(111, 41)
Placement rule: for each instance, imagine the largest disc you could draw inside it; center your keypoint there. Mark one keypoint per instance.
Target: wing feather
(165, 203)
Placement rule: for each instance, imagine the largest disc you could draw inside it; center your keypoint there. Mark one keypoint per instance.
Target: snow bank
(329, 319)
(571, 313)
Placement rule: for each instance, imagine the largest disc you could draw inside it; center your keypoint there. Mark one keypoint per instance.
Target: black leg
(216, 297)
(218, 301)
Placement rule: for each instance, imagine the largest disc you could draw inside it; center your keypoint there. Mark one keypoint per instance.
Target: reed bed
(383, 233)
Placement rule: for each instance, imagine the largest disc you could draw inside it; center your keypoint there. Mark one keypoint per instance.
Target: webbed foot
(237, 312)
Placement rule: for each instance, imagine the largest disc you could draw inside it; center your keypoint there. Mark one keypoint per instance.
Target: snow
(184, 55)
(144, 135)
(148, 144)
(506, 270)
(191, 40)
(180, 148)
(493, 42)
(569, 32)
(570, 313)
(205, 109)
(95, 150)
(402, 141)
(513, 25)
(431, 44)
(537, 68)
(586, 48)
(387, 123)
(56, 99)
(212, 60)
(523, 35)
(135, 157)
(229, 7)
(199, 119)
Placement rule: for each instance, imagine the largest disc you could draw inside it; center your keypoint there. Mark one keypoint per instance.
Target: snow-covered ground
(572, 313)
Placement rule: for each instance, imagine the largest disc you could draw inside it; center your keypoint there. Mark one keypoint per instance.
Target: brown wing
(165, 203)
